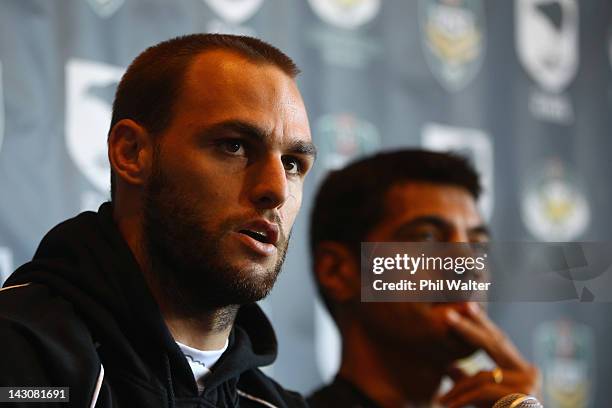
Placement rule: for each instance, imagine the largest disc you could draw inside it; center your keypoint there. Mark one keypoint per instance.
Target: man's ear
(337, 270)
(130, 152)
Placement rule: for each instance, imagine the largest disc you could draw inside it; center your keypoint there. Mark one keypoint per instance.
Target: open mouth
(257, 235)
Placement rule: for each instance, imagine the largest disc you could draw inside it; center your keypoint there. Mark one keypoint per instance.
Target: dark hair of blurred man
(395, 354)
(150, 301)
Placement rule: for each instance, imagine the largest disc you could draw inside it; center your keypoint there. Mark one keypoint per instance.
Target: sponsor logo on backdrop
(235, 11)
(546, 35)
(553, 206)
(343, 137)
(349, 14)
(547, 40)
(340, 41)
(233, 14)
(564, 352)
(550, 107)
(475, 145)
(90, 88)
(105, 8)
(1, 108)
(453, 38)
(6, 263)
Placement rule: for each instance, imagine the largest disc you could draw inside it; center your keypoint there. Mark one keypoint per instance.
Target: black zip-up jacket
(80, 315)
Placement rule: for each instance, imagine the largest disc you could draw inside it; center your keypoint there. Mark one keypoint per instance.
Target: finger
(494, 343)
(483, 397)
(455, 373)
(519, 381)
(478, 314)
(510, 351)
(514, 380)
(480, 379)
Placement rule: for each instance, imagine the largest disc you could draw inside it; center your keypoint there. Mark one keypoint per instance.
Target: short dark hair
(148, 89)
(351, 201)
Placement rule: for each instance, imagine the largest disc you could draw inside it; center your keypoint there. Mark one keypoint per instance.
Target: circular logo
(343, 137)
(105, 8)
(348, 14)
(554, 208)
(235, 11)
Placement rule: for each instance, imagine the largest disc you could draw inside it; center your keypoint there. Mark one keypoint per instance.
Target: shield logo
(348, 14)
(546, 35)
(564, 351)
(90, 89)
(475, 145)
(453, 39)
(554, 208)
(105, 8)
(343, 137)
(235, 11)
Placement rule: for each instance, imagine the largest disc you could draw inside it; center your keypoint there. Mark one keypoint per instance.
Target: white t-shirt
(201, 361)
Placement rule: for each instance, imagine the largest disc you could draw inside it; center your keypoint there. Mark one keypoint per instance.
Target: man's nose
(458, 235)
(270, 187)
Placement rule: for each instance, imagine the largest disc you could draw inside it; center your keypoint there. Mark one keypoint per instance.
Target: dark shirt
(341, 394)
(81, 315)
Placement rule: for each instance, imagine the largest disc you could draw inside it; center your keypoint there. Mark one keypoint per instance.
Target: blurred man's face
(422, 212)
(227, 182)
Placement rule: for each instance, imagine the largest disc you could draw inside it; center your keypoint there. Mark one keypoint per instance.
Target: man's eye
(422, 236)
(292, 165)
(428, 236)
(234, 147)
(480, 238)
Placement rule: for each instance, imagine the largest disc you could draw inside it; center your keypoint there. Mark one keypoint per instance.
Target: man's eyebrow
(302, 147)
(442, 223)
(481, 229)
(237, 126)
(260, 135)
(426, 219)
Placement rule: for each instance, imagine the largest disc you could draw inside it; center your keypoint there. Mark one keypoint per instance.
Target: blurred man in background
(395, 354)
(150, 301)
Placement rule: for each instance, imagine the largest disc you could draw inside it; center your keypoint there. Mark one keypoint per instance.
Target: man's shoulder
(19, 301)
(43, 341)
(255, 386)
(33, 306)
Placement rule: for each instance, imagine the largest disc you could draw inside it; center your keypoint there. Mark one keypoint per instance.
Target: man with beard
(395, 354)
(150, 301)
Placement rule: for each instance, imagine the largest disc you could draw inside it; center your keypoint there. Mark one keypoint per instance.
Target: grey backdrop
(523, 87)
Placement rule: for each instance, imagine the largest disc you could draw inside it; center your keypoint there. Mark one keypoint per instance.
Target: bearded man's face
(226, 182)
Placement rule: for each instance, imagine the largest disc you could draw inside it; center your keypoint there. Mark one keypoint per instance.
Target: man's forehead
(215, 60)
(221, 86)
(227, 68)
(421, 198)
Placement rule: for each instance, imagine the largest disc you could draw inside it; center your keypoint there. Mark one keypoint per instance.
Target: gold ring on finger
(498, 375)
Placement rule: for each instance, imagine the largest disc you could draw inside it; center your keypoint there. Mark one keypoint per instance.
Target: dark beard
(185, 262)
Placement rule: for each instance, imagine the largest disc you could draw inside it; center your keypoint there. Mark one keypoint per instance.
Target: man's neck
(202, 330)
(389, 376)
(208, 330)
